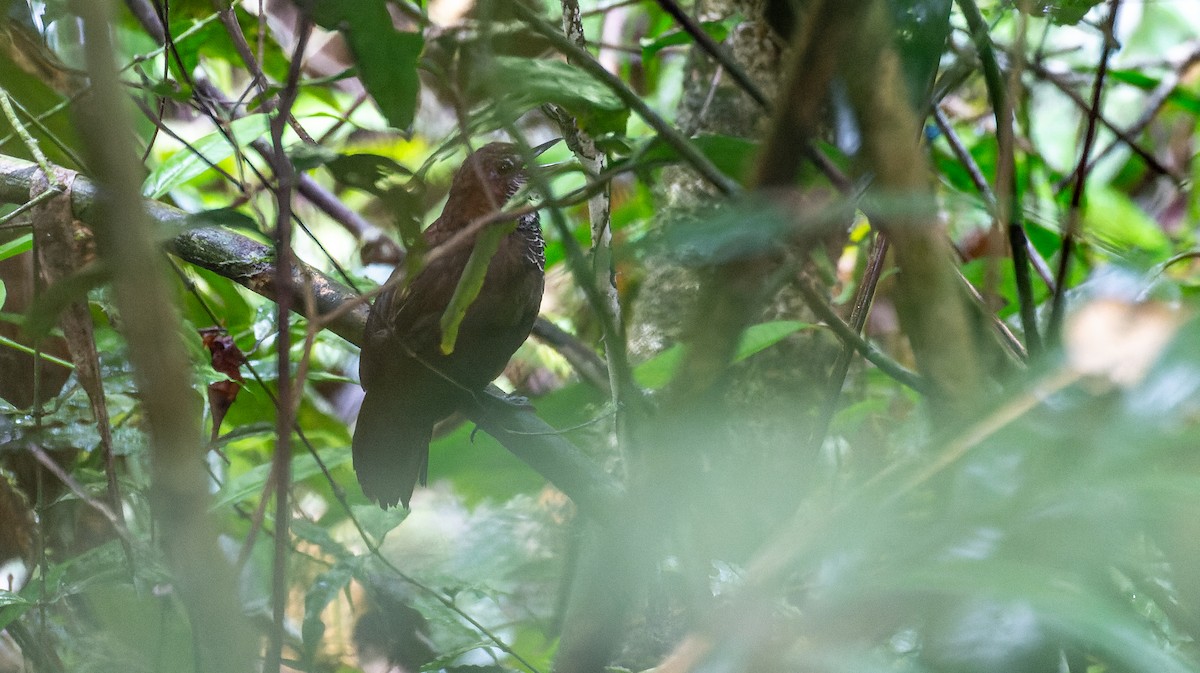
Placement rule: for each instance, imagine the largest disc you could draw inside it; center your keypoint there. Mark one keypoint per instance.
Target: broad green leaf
(1121, 225)
(379, 522)
(318, 535)
(213, 148)
(660, 369)
(8, 598)
(734, 231)
(386, 58)
(3, 294)
(544, 81)
(250, 483)
(717, 30)
(1062, 12)
(323, 590)
(921, 29)
(230, 218)
(12, 606)
(43, 315)
(733, 156)
(20, 244)
(486, 245)
(1181, 96)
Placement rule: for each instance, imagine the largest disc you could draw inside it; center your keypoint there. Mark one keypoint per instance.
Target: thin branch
(977, 178)
(1071, 231)
(590, 367)
(285, 298)
(849, 335)
(1155, 102)
(1089, 110)
(863, 299)
(715, 51)
(932, 310)
(117, 522)
(603, 272)
(1008, 204)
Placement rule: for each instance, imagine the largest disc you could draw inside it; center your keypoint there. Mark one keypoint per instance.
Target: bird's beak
(537, 151)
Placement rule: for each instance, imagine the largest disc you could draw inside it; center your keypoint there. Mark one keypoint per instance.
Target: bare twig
(1071, 230)
(1129, 140)
(853, 340)
(1155, 102)
(117, 522)
(977, 178)
(1007, 203)
(285, 297)
(714, 50)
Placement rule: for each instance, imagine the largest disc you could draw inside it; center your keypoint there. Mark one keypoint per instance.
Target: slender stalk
(1071, 231)
(1008, 198)
(285, 297)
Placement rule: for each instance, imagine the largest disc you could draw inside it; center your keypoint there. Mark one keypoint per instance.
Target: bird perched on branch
(411, 382)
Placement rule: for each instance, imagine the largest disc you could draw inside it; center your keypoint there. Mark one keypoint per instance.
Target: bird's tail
(390, 448)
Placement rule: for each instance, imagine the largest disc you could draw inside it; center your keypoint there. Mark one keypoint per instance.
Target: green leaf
(3, 294)
(486, 245)
(730, 232)
(323, 590)
(12, 606)
(660, 369)
(8, 598)
(43, 315)
(1181, 96)
(213, 148)
(1062, 12)
(733, 156)
(250, 483)
(758, 338)
(598, 109)
(717, 30)
(20, 244)
(921, 29)
(316, 534)
(386, 58)
(1120, 225)
(379, 522)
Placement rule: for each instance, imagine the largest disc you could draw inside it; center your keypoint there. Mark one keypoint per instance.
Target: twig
(285, 296)
(1155, 102)
(852, 339)
(580, 356)
(714, 50)
(977, 178)
(603, 272)
(1008, 203)
(30, 143)
(1071, 231)
(115, 521)
(863, 299)
(1131, 142)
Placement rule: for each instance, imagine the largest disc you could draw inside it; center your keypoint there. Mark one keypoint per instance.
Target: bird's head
(491, 175)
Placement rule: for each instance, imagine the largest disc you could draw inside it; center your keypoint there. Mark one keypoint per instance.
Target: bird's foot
(519, 401)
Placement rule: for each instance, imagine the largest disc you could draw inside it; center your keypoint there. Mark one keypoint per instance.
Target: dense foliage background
(867, 342)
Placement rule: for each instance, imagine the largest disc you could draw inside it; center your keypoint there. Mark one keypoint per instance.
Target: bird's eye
(506, 166)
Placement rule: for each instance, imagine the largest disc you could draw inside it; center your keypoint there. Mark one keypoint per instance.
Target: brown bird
(410, 383)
